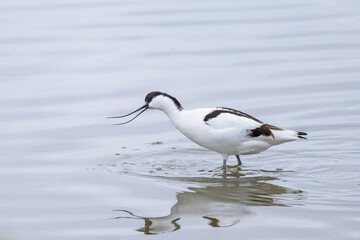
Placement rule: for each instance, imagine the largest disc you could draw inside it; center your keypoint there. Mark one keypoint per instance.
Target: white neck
(170, 109)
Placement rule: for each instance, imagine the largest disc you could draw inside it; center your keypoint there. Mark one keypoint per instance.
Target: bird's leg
(225, 158)
(238, 158)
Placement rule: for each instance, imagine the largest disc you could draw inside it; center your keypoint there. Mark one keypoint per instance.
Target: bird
(224, 130)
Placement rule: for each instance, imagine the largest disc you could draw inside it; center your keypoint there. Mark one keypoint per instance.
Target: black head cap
(150, 96)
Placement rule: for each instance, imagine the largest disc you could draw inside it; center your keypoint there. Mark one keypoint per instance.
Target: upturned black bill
(143, 108)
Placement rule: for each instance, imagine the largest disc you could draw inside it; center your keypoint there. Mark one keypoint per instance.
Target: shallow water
(67, 173)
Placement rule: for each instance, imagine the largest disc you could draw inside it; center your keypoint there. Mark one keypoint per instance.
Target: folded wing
(224, 118)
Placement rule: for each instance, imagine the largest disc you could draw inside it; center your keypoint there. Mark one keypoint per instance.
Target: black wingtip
(301, 134)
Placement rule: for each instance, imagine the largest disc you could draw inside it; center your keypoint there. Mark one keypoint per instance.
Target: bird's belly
(253, 146)
(230, 143)
(238, 147)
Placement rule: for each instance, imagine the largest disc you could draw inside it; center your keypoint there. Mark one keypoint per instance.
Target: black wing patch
(264, 130)
(220, 110)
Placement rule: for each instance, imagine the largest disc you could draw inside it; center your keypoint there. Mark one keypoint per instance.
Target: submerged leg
(225, 158)
(238, 158)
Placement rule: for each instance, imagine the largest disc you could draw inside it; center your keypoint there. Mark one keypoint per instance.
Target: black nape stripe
(220, 110)
(150, 96)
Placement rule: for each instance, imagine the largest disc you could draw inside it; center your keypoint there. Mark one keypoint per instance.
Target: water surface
(67, 173)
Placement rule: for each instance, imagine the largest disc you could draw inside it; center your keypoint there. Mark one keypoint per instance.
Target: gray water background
(67, 173)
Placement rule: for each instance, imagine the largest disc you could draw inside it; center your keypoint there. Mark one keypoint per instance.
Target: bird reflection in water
(222, 202)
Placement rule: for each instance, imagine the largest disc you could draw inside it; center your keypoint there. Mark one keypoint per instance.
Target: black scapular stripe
(220, 110)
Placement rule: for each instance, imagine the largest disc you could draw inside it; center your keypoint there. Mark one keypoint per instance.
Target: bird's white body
(223, 130)
(226, 134)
